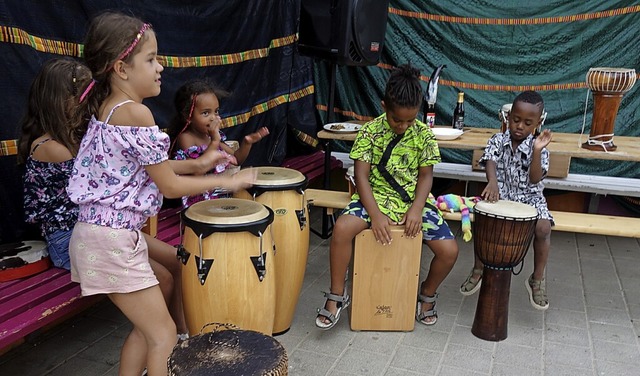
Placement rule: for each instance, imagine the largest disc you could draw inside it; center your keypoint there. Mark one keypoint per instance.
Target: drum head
(507, 209)
(229, 352)
(278, 176)
(227, 211)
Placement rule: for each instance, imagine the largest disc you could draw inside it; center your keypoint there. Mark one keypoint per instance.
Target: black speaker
(347, 32)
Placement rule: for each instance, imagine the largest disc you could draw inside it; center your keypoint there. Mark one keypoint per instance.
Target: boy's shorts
(434, 227)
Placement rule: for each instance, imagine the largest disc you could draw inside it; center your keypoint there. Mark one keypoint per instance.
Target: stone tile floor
(591, 327)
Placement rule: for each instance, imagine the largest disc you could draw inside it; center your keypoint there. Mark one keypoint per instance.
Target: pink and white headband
(135, 42)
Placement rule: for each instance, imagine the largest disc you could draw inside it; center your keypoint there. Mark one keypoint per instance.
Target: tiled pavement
(591, 327)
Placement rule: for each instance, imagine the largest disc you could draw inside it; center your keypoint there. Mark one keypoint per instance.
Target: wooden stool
(385, 282)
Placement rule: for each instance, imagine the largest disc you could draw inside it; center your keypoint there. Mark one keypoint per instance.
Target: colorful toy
(454, 203)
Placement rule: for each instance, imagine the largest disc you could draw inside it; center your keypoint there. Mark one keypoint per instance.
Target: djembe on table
(608, 86)
(502, 233)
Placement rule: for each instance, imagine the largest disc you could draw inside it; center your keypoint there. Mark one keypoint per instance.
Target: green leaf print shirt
(418, 148)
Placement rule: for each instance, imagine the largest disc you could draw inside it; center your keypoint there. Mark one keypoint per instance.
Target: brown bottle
(457, 122)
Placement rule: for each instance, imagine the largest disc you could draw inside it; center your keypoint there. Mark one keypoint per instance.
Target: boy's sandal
(471, 285)
(342, 301)
(537, 294)
(431, 314)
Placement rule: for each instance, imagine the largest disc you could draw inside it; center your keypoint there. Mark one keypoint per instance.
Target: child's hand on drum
(380, 226)
(242, 179)
(412, 222)
(491, 192)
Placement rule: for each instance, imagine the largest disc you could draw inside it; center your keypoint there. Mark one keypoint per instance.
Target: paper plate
(342, 127)
(446, 133)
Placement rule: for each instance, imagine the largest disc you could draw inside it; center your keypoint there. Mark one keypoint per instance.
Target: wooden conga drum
(229, 352)
(502, 231)
(282, 189)
(608, 86)
(228, 273)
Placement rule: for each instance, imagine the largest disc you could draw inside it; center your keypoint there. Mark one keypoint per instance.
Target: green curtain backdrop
(494, 50)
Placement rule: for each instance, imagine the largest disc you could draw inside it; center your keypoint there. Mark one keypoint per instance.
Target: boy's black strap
(381, 166)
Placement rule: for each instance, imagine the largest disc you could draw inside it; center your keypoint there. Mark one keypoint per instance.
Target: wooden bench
(564, 221)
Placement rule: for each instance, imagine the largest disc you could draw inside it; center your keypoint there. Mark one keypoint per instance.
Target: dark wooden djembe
(502, 233)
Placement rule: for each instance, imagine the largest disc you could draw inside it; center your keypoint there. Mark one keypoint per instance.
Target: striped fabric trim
(238, 57)
(307, 139)
(488, 87)
(323, 107)
(516, 21)
(8, 147)
(18, 36)
(264, 107)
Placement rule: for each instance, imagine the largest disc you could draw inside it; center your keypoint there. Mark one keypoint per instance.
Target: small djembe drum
(229, 351)
(503, 116)
(282, 190)
(502, 233)
(608, 86)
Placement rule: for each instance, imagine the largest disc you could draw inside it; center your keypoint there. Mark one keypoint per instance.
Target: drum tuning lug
(259, 263)
(302, 219)
(203, 270)
(182, 254)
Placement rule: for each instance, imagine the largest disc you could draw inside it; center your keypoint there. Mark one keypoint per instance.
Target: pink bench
(31, 303)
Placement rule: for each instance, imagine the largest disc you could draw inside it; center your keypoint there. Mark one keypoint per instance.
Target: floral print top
(109, 181)
(194, 152)
(45, 198)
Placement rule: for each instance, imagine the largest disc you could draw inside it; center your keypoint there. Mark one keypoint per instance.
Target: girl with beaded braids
(392, 190)
(196, 130)
(118, 180)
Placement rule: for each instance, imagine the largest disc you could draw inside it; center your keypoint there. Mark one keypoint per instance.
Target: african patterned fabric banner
(245, 47)
(495, 49)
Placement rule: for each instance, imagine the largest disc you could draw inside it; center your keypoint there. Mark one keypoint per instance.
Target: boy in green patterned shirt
(394, 156)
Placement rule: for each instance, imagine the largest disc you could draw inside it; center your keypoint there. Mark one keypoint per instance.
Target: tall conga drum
(608, 86)
(502, 231)
(228, 274)
(282, 189)
(229, 352)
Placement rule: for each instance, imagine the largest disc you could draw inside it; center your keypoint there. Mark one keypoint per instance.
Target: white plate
(446, 133)
(342, 127)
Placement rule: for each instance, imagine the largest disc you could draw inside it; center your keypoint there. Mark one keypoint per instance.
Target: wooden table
(562, 144)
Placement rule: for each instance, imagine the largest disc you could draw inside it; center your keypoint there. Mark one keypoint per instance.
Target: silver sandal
(537, 298)
(471, 285)
(342, 301)
(421, 316)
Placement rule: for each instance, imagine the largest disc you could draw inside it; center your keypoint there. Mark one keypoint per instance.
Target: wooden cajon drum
(385, 282)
